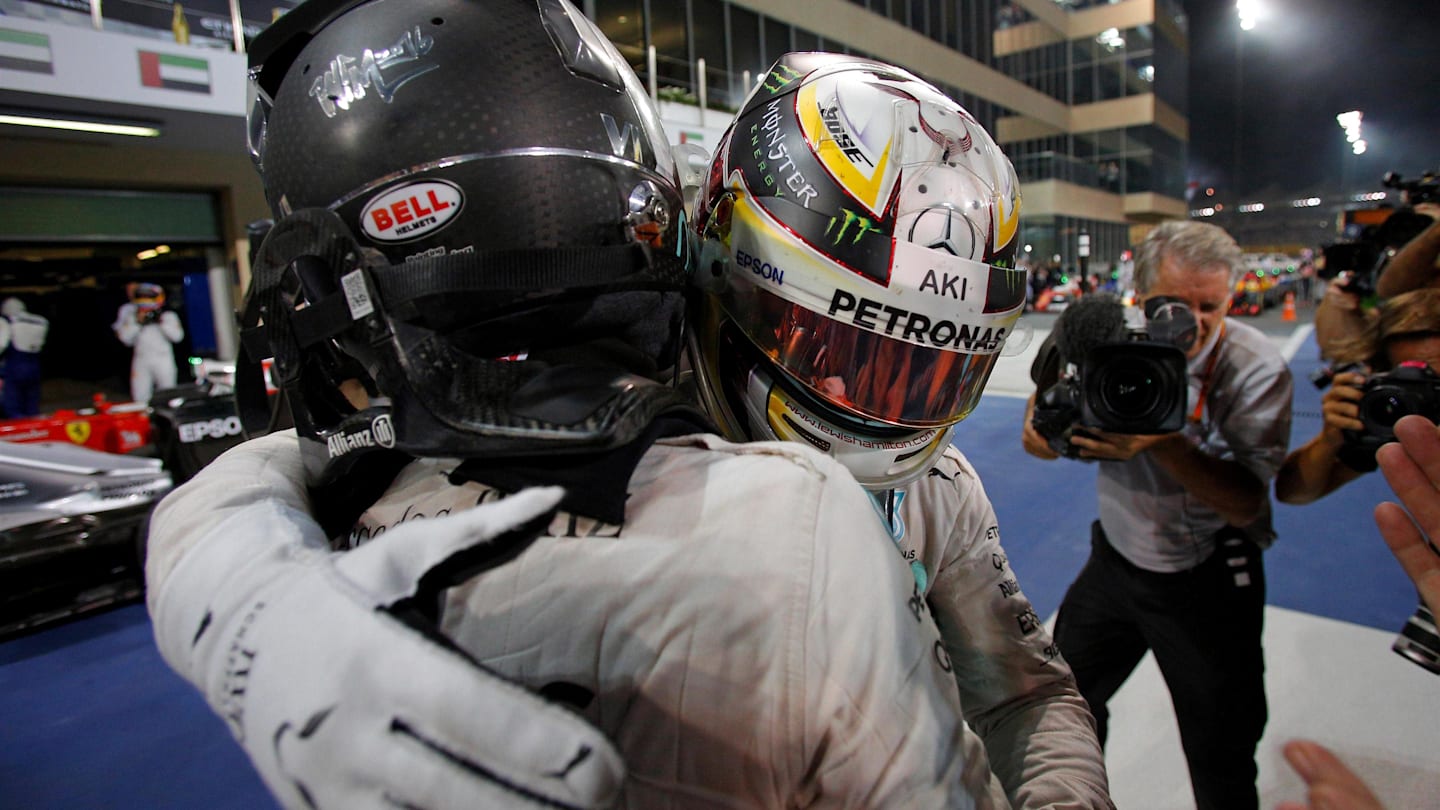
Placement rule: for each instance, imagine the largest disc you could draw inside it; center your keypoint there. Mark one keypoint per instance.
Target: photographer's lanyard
(1198, 415)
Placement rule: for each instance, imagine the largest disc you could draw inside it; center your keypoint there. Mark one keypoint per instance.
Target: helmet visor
(861, 371)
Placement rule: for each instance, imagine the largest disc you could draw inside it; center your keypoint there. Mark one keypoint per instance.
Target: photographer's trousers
(1204, 627)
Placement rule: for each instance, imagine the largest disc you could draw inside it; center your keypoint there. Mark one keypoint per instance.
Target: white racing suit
(152, 366)
(1017, 692)
(745, 638)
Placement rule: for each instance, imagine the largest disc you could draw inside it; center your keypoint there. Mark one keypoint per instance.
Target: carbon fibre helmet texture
(477, 217)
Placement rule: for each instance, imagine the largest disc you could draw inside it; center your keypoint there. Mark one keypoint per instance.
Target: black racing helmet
(477, 217)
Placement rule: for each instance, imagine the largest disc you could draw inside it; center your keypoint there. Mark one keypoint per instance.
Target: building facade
(1087, 98)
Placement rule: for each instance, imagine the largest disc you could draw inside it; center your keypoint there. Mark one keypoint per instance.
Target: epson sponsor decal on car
(411, 211)
(211, 428)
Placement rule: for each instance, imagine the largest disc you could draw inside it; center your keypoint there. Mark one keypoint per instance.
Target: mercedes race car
(72, 530)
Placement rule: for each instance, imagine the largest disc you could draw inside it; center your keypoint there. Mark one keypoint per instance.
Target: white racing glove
(341, 705)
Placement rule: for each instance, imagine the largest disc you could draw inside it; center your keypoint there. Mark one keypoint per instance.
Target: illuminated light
(1029, 248)
(1111, 39)
(76, 125)
(1210, 192)
(146, 254)
(1350, 122)
(1252, 208)
(1219, 206)
(1064, 279)
(1250, 13)
(162, 249)
(1308, 202)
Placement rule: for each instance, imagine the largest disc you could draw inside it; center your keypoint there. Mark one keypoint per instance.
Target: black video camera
(1426, 189)
(1364, 258)
(1132, 381)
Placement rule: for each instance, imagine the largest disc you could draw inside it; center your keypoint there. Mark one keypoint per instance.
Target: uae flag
(24, 50)
(174, 72)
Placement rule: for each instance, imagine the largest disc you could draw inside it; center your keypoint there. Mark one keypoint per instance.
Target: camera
(1136, 384)
(1411, 387)
(1363, 258)
(1426, 189)
(1419, 641)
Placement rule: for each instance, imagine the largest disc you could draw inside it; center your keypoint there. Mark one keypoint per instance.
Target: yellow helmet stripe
(866, 189)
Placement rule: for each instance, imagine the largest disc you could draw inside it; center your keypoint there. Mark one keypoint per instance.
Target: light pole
(1250, 12)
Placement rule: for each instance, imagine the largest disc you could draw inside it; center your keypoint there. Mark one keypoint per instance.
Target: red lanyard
(1199, 412)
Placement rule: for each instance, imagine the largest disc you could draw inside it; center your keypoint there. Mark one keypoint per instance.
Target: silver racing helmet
(857, 237)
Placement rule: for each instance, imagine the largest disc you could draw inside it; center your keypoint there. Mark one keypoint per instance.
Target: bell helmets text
(411, 211)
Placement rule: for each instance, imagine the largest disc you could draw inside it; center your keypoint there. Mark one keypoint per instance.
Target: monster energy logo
(776, 82)
(851, 218)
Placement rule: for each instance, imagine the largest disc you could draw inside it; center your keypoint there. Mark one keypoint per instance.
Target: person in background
(731, 617)
(1414, 265)
(836, 344)
(149, 329)
(1175, 564)
(1411, 466)
(1342, 316)
(22, 336)
(1403, 330)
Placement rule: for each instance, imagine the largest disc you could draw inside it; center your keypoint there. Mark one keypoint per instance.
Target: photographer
(1405, 328)
(1414, 265)
(1175, 556)
(1394, 257)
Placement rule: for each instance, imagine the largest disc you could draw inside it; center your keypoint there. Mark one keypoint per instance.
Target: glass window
(745, 49)
(623, 22)
(935, 20)
(707, 20)
(672, 45)
(777, 40)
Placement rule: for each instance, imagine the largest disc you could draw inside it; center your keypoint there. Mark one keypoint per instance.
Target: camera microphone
(1094, 320)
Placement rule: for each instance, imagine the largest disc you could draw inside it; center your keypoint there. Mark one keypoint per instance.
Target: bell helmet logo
(414, 210)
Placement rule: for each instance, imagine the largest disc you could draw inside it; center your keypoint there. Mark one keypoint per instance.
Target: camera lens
(1131, 392)
(1385, 408)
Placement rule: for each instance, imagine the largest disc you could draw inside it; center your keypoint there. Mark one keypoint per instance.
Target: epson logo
(409, 212)
(191, 432)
